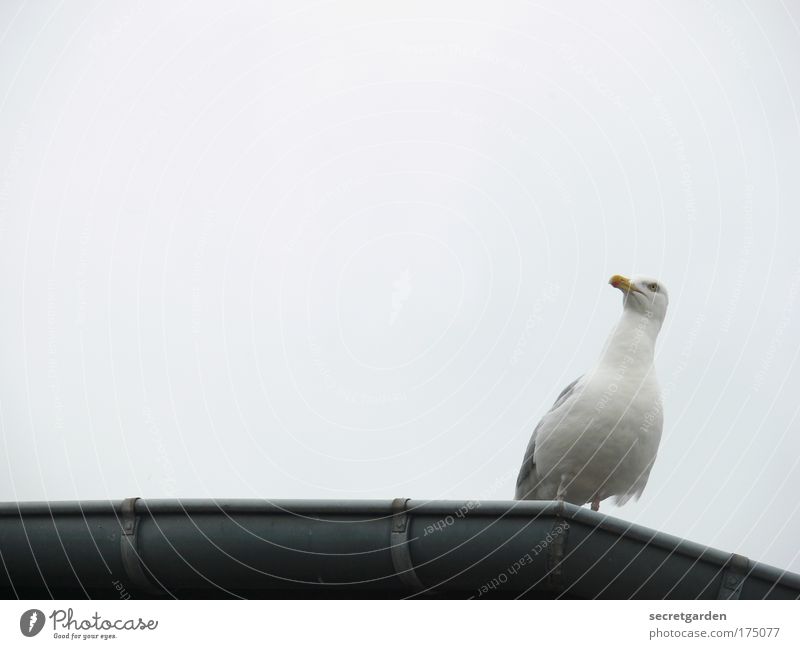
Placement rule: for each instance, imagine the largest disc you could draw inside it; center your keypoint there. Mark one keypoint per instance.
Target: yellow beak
(623, 284)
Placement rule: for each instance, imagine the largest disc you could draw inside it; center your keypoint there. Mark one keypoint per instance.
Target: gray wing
(527, 480)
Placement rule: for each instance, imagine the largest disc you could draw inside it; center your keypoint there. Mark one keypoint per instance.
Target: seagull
(600, 438)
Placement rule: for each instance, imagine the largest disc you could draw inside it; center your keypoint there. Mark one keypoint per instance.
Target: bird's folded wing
(528, 469)
(566, 393)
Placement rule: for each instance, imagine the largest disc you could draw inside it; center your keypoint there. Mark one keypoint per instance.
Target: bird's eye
(653, 287)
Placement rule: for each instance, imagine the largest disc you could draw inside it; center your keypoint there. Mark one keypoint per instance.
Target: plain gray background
(355, 249)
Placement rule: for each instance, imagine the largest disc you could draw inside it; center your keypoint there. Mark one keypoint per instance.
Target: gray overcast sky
(355, 249)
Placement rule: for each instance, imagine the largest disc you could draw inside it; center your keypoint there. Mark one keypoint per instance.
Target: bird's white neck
(633, 340)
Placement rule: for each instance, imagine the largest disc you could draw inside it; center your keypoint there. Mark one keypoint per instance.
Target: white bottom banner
(397, 623)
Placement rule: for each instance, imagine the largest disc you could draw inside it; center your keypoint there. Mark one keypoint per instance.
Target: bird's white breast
(606, 438)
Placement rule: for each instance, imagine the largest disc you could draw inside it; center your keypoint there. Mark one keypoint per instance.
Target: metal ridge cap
(465, 509)
(280, 505)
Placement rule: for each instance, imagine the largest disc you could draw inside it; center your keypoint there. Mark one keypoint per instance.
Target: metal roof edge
(341, 511)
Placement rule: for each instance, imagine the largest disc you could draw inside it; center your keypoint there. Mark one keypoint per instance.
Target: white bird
(601, 436)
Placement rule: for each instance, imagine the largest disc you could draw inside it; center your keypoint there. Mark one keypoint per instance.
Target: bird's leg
(561, 494)
(596, 504)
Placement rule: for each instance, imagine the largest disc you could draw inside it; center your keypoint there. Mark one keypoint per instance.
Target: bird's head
(643, 294)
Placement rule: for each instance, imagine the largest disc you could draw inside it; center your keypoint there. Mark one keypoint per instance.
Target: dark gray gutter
(401, 548)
